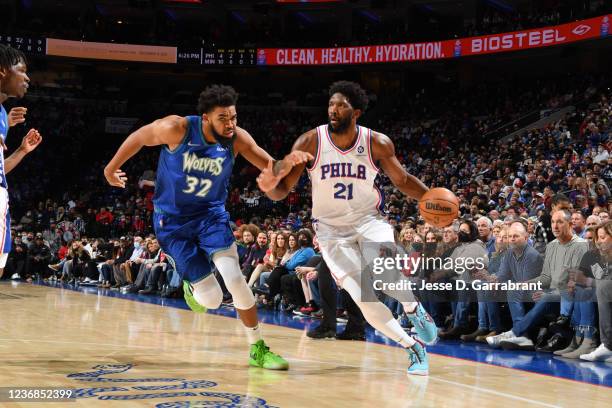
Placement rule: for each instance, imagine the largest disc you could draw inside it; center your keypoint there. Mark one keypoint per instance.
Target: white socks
(253, 334)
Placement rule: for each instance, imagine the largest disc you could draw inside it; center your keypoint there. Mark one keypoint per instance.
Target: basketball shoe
(262, 357)
(423, 324)
(191, 302)
(419, 362)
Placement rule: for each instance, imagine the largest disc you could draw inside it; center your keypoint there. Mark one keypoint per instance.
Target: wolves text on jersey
(204, 164)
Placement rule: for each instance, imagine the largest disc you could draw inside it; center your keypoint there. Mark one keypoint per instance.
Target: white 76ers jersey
(343, 189)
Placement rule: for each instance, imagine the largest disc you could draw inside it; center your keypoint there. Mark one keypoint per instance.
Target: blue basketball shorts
(191, 242)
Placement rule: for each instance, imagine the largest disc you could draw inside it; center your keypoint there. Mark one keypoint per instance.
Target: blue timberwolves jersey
(194, 178)
(4, 127)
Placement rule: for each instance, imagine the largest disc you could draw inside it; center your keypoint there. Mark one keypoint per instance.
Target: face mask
(418, 246)
(463, 236)
(303, 242)
(430, 247)
(136, 245)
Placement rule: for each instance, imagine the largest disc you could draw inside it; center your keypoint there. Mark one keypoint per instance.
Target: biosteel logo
(581, 29)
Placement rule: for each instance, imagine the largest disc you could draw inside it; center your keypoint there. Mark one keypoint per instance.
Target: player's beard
(223, 140)
(342, 125)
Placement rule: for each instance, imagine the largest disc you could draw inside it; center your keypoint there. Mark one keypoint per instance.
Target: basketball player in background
(190, 220)
(14, 83)
(347, 204)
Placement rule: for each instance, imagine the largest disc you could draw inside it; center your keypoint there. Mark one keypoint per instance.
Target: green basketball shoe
(191, 302)
(262, 357)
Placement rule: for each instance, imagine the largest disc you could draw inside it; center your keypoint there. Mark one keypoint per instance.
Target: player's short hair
(355, 94)
(10, 56)
(216, 96)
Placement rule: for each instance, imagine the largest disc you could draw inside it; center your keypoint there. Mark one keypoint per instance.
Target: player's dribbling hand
(116, 178)
(30, 141)
(295, 158)
(17, 116)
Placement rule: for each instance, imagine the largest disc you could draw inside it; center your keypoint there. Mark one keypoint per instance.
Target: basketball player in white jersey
(14, 82)
(346, 208)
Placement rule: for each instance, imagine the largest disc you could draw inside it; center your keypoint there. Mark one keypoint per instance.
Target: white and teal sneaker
(419, 362)
(423, 324)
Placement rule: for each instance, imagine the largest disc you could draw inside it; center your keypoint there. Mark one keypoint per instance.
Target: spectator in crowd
(290, 284)
(17, 259)
(38, 257)
(593, 221)
(274, 254)
(489, 315)
(470, 247)
(269, 282)
(255, 255)
(355, 326)
(485, 233)
(578, 224)
(594, 272)
(564, 252)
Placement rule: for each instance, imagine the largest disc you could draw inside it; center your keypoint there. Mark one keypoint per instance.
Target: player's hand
(116, 178)
(571, 286)
(17, 116)
(266, 179)
(30, 141)
(295, 158)
(312, 275)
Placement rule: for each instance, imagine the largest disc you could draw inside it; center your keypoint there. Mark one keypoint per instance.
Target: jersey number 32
(201, 185)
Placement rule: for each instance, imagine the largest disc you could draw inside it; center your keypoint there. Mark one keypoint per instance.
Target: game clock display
(217, 56)
(29, 45)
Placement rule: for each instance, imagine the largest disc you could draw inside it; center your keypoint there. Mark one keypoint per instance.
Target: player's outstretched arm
(272, 170)
(167, 131)
(276, 185)
(383, 151)
(28, 144)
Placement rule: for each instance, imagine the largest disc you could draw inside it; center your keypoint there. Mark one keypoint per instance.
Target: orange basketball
(439, 207)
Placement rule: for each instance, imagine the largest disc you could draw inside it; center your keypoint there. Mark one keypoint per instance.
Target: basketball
(439, 207)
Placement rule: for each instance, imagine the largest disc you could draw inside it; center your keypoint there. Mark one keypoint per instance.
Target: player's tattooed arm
(278, 185)
(168, 131)
(383, 152)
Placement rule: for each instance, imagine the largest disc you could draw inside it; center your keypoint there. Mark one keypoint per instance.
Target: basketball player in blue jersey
(346, 209)
(190, 219)
(14, 83)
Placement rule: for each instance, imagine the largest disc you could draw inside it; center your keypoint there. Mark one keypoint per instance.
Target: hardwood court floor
(122, 353)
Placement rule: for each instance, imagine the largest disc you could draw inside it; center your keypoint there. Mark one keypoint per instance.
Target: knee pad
(227, 264)
(208, 293)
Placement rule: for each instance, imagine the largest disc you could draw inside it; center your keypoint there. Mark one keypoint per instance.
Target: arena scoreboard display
(217, 56)
(29, 45)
